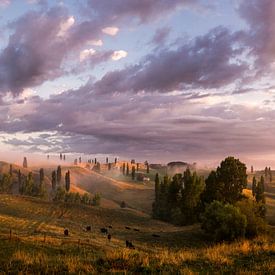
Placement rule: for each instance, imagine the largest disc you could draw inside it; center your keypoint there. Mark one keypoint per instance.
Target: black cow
(135, 229)
(127, 227)
(110, 226)
(129, 245)
(104, 230)
(66, 232)
(156, 235)
(88, 228)
(109, 237)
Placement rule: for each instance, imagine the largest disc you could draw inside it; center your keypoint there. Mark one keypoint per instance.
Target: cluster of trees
(28, 186)
(177, 200)
(268, 174)
(134, 169)
(61, 195)
(218, 202)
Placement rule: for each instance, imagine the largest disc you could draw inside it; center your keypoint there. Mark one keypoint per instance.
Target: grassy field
(37, 242)
(32, 234)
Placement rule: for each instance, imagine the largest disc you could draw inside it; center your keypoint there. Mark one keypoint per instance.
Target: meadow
(32, 235)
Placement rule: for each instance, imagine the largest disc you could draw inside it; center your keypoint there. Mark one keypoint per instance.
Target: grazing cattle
(88, 228)
(110, 226)
(66, 232)
(135, 229)
(156, 235)
(129, 245)
(127, 227)
(104, 230)
(109, 237)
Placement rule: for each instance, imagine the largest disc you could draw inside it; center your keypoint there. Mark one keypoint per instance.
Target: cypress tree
(123, 169)
(11, 170)
(260, 197)
(254, 186)
(67, 181)
(25, 163)
(133, 172)
(147, 168)
(53, 180)
(58, 175)
(127, 169)
(41, 176)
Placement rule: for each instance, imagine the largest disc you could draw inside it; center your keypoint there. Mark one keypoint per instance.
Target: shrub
(255, 223)
(223, 222)
(123, 204)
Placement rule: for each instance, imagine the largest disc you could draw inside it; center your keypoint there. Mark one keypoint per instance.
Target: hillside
(37, 242)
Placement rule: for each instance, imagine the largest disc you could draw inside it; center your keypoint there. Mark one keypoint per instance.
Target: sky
(156, 80)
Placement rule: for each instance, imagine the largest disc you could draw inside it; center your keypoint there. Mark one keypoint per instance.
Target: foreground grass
(247, 256)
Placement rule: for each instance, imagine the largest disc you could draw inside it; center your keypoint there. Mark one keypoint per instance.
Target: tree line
(217, 202)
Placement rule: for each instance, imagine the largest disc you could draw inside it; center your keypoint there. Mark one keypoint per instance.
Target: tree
(115, 160)
(252, 169)
(19, 181)
(147, 168)
(58, 175)
(127, 169)
(254, 186)
(25, 163)
(41, 176)
(256, 224)
(231, 174)
(10, 172)
(223, 222)
(109, 166)
(67, 181)
(59, 194)
(259, 195)
(107, 160)
(29, 185)
(96, 199)
(6, 183)
(193, 186)
(123, 169)
(137, 166)
(60, 156)
(133, 172)
(53, 180)
(213, 189)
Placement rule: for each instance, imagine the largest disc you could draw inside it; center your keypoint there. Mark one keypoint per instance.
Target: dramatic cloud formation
(177, 92)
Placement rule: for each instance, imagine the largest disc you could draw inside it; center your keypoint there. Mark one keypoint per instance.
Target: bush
(223, 222)
(123, 204)
(255, 223)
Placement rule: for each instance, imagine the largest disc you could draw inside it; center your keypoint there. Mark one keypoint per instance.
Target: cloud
(4, 3)
(117, 55)
(98, 42)
(86, 54)
(205, 62)
(111, 30)
(65, 26)
(160, 36)
(143, 10)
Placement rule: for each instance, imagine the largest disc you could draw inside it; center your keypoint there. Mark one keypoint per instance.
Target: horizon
(138, 79)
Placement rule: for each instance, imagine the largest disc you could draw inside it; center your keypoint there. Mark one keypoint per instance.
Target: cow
(129, 245)
(104, 230)
(110, 226)
(156, 235)
(109, 237)
(135, 229)
(127, 227)
(66, 232)
(88, 228)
